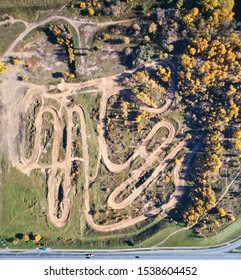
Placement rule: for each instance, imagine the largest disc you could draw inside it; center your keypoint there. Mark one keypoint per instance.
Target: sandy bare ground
(60, 171)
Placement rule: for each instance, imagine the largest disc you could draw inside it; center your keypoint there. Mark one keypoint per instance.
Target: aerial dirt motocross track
(58, 172)
(59, 210)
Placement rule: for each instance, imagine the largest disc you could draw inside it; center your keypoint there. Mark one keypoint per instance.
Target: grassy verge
(113, 240)
(189, 238)
(160, 235)
(9, 34)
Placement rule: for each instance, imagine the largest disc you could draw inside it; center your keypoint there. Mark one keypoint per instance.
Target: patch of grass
(35, 3)
(109, 69)
(9, 34)
(28, 10)
(51, 102)
(160, 235)
(31, 36)
(90, 101)
(189, 238)
(115, 240)
(157, 139)
(47, 138)
(24, 13)
(21, 201)
(176, 118)
(24, 207)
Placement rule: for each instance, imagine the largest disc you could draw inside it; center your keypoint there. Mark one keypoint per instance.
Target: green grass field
(160, 235)
(33, 3)
(189, 238)
(21, 200)
(10, 32)
(24, 207)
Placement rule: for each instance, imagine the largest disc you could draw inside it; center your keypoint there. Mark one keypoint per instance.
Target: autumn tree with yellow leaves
(165, 73)
(145, 87)
(221, 212)
(26, 237)
(37, 238)
(3, 67)
(237, 145)
(65, 38)
(91, 11)
(237, 134)
(201, 200)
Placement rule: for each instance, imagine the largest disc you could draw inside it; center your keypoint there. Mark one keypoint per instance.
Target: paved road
(123, 256)
(226, 251)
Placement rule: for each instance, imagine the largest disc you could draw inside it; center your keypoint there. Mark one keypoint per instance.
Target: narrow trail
(12, 21)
